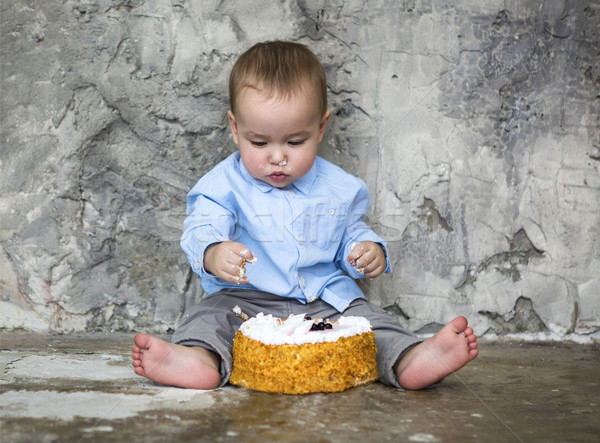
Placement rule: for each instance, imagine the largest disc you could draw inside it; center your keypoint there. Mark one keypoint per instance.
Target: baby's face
(277, 138)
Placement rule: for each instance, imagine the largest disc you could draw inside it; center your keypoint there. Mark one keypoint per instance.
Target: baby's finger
(365, 259)
(238, 270)
(356, 252)
(376, 271)
(247, 256)
(240, 255)
(230, 269)
(235, 274)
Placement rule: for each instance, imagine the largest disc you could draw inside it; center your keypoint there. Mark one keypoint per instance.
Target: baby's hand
(369, 258)
(227, 260)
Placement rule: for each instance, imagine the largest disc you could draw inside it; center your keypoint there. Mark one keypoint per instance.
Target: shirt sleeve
(358, 231)
(209, 220)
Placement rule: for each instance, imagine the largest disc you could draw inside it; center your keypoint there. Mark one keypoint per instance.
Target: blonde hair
(278, 67)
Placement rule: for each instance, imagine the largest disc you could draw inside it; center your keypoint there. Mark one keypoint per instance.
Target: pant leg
(392, 339)
(212, 324)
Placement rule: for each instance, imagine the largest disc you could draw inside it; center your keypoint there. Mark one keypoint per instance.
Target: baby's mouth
(278, 176)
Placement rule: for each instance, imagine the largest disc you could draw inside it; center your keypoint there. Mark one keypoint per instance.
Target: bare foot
(441, 355)
(175, 365)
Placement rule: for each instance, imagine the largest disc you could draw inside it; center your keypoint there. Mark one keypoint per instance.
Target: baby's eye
(295, 142)
(258, 144)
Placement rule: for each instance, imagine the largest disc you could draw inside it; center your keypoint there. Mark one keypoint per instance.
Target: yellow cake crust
(301, 369)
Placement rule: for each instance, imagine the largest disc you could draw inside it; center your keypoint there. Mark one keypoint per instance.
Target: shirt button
(301, 281)
(332, 211)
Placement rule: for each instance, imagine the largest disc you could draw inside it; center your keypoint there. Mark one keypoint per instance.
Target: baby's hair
(279, 68)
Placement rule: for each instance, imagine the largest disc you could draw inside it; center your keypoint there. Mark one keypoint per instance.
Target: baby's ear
(233, 126)
(323, 124)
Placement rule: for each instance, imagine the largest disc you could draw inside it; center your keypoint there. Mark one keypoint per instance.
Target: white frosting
(296, 331)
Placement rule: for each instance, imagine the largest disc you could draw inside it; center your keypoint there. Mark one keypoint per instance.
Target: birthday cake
(300, 355)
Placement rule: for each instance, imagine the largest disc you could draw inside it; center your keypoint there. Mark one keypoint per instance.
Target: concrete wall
(474, 123)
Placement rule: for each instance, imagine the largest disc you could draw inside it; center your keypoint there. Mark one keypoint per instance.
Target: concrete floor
(82, 388)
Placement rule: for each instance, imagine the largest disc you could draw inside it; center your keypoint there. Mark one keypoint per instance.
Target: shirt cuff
(197, 262)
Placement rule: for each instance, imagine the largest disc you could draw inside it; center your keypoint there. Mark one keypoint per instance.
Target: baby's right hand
(227, 260)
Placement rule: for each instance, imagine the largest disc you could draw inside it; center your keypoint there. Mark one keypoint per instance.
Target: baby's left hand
(369, 258)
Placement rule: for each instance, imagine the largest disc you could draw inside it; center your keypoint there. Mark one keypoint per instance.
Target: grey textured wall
(474, 123)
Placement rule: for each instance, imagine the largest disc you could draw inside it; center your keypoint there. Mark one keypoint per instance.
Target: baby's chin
(280, 184)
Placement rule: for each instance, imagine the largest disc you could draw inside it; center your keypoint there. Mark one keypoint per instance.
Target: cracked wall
(474, 124)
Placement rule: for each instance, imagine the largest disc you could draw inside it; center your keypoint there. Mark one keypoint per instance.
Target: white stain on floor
(100, 405)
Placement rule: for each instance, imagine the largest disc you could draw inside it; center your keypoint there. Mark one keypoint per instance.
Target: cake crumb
(239, 313)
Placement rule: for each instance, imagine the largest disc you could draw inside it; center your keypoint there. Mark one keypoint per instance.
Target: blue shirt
(301, 235)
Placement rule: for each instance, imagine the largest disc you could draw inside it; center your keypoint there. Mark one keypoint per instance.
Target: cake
(300, 355)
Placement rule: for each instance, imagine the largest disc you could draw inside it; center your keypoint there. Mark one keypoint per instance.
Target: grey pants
(212, 324)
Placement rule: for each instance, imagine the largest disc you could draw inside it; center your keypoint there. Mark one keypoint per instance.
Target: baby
(276, 229)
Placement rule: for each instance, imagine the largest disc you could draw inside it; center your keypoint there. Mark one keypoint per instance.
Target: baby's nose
(278, 158)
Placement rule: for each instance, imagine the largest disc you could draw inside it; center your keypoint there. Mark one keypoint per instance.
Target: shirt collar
(303, 184)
